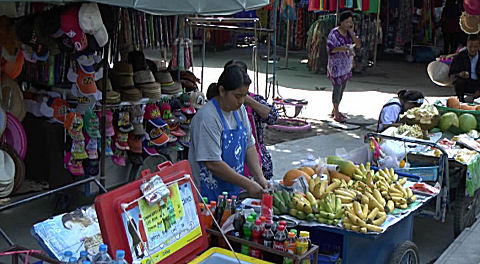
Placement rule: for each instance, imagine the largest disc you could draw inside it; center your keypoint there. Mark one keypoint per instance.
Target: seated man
(466, 70)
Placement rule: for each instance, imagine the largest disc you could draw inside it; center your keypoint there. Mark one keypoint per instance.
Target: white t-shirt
(390, 113)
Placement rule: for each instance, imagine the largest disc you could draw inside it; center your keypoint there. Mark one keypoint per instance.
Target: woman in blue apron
(390, 114)
(221, 140)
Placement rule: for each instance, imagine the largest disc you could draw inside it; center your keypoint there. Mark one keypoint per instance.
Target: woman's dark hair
(240, 64)
(232, 78)
(345, 15)
(410, 95)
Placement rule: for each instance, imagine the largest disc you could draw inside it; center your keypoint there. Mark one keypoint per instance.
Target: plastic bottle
(72, 260)
(83, 257)
(219, 209)
(267, 239)
(279, 238)
(207, 217)
(290, 246)
(267, 205)
(102, 256)
(202, 212)
(120, 257)
(225, 196)
(263, 221)
(302, 244)
(227, 212)
(234, 202)
(257, 238)
(205, 200)
(247, 235)
(66, 256)
(254, 215)
(238, 222)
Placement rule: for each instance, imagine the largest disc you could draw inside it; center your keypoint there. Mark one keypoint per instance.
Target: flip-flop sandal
(340, 120)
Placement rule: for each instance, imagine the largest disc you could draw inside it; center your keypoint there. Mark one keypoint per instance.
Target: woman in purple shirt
(340, 43)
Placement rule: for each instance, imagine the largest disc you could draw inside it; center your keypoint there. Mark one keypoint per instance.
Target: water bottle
(120, 257)
(102, 256)
(66, 257)
(83, 257)
(72, 260)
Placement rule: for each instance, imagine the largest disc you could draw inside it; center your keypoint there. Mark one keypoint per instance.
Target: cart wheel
(406, 253)
(465, 211)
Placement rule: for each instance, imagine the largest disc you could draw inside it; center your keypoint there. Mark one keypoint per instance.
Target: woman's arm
(226, 173)
(356, 40)
(266, 113)
(260, 109)
(251, 159)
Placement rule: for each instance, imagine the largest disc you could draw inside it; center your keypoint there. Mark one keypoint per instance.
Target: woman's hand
(254, 190)
(264, 183)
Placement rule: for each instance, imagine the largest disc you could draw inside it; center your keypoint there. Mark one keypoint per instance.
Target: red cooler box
(171, 232)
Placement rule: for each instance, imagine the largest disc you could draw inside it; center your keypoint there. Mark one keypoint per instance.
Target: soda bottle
(267, 205)
(279, 238)
(263, 220)
(254, 215)
(247, 235)
(205, 200)
(227, 212)
(66, 256)
(83, 256)
(219, 209)
(202, 212)
(72, 260)
(208, 217)
(290, 246)
(302, 244)
(257, 238)
(102, 256)
(120, 257)
(238, 222)
(267, 238)
(234, 202)
(283, 222)
(295, 232)
(225, 196)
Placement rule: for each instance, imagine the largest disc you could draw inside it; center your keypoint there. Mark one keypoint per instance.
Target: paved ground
(363, 99)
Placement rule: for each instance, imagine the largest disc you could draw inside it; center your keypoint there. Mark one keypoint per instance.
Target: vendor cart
(451, 177)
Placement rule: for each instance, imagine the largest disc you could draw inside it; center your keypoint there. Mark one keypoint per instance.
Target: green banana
(286, 196)
(276, 211)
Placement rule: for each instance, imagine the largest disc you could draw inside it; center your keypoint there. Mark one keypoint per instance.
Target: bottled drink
(202, 212)
(102, 256)
(247, 234)
(227, 212)
(290, 246)
(120, 257)
(279, 238)
(295, 232)
(238, 222)
(219, 209)
(284, 223)
(83, 257)
(234, 202)
(267, 238)
(254, 215)
(205, 200)
(225, 197)
(302, 244)
(66, 256)
(263, 220)
(267, 205)
(72, 260)
(208, 217)
(257, 238)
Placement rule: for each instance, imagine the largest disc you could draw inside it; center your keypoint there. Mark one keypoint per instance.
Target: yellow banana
(317, 179)
(355, 228)
(373, 214)
(357, 208)
(374, 228)
(357, 177)
(409, 192)
(345, 199)
(355, 219)
(379, 197)
(367, 166)
(369, 180)
(347, 226)
(392, 190)
(362, 168)
(374, 203)
(395, 177)
(403, 206)
(401, 189)
(363, 230)
(346, 220)
(412, 199)
(323, 187)
(379, 221)
(364, 199)
(365, 211)
(399, 200)
(333, 186)
(311, 185)
(402, 181)
(311, 199)
(389, 207)
(344, 192)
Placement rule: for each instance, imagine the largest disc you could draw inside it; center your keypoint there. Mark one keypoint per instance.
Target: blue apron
(234, 147)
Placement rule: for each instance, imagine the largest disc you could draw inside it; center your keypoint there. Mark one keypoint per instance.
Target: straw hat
(7, 174)
(470, 24)
(174, 89)
(133, 94)
(151, 90)
(12, 97)
(164, 78)
(438, 73)
(19, 166)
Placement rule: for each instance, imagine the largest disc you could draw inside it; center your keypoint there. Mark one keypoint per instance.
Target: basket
(443, 109)
(425, 173)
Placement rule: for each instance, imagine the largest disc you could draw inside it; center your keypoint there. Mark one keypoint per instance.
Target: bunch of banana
(361, 218)
(303, 206)
(330, 210)
(388, 176)
(281, 202)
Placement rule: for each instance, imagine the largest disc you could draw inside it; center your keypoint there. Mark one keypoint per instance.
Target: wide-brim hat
(7, 174)
(123, 68)
(19, 166)
(113, 97)
(163, 77)
(15, 136)
(143, 76)
(151, 90)
(438, 73)
(470, 24)
(12, 97)
(174, 89)
(131, 94)
(100, 85)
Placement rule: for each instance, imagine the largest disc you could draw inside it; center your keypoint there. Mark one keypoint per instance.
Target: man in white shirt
(466, 70)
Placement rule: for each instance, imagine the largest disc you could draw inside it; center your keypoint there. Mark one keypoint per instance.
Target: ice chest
(143, 231)
(219, 255)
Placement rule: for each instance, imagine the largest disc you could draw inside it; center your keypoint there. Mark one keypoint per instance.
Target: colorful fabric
(339, 67)
(473, 176)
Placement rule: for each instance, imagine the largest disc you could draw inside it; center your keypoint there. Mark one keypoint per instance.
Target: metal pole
(287, 40)
(106, 50)
(274, 56)
(256, 57)
(337, 14)
(203, 57)
(269, 42)
(376, 36)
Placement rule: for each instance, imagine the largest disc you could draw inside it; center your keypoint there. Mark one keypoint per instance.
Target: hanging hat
(153, 115)
(14, 135)
(123, 68)
(12, 97)
(74, 166)
(7, 174)
(470, 24)
(90, 21)
(143, 77)
(91, 167)
(60, 109)
(119, 157)
(91, 124)
(151, 90)
(113, 97)
(109, 130)
(135, 143)
(71, 27)
(19, 166)
(149, 148)
(137, 59)
(74, 124)
(438, 73)
(157, 135)
(136, 115)
(13, 68)
(124, 123)
(174, 89)
(164, 78)
(197, 99)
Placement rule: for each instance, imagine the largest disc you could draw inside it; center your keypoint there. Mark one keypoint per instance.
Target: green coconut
(448, 120)
(467, 122)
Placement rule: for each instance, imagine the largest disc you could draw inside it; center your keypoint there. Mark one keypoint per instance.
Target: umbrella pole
(274, 56)
(203, 56)
(376, 36)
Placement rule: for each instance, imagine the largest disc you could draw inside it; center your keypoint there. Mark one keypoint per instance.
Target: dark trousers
(465, 86)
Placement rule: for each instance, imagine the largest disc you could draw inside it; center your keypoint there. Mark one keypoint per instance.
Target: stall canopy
(182, 7)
